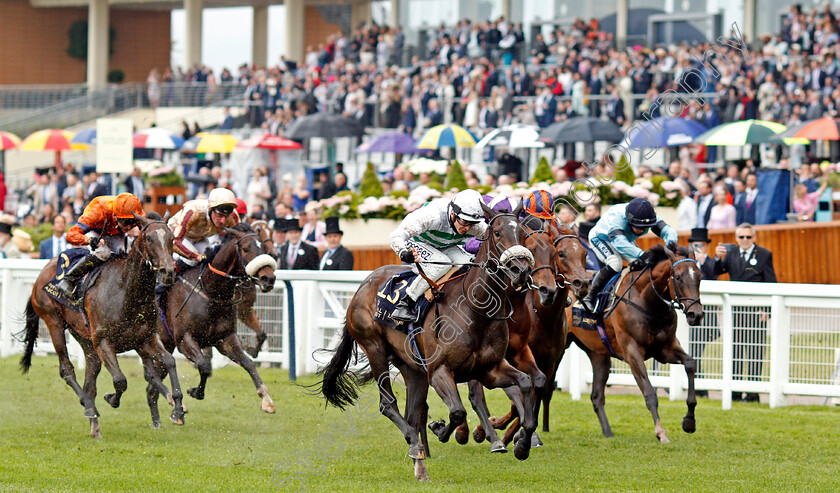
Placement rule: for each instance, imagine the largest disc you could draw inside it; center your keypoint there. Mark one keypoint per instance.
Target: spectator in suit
(434, 117)
(227, 120)
(43, 192)
(93, 187)
(56, 243)
(747, 262)
(698, 243)
(705, 202)
(745, 202)
(615, 108)
(134, 183)
(278, 232)
(336, 257)
(327, 188)
(296, 254)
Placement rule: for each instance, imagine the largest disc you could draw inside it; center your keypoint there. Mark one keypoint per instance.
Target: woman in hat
(336, 257)
(314, 230)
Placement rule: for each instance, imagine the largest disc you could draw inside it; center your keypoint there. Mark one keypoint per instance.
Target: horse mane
(243, 227)
(660, 252)
(683, 251)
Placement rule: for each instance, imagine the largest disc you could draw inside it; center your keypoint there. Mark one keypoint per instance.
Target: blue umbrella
(86, 136)
(391, 142)
(663, 132)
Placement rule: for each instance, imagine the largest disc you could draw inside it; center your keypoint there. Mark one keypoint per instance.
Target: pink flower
(671, 195)
(638, 191)
(670, 186)
(619, 186)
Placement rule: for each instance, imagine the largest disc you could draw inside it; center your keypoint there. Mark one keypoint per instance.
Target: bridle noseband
(239, 263)
(557, 241)
(143, 249)
(675, 302)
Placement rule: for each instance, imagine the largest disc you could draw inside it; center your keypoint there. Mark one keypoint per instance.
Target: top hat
(332, 226)
(5, 228)
(584, 228)
(277, 225)
(699, 235)
(293, 224)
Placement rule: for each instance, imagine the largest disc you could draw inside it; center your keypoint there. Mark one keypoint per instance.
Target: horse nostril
(543, 290)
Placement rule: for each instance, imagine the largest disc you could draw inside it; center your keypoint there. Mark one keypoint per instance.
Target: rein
(141, 245)
(557, 241)
(670, 303)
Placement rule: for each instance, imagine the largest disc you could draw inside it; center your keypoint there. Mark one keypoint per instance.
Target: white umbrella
(513, 136)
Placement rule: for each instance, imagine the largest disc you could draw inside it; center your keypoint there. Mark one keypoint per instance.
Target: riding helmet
(640, 213)
(126, 205)
(219, 197)
(467, 206)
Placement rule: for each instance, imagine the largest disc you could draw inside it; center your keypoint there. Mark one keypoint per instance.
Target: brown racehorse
(643, 325)
(201, 306)
(546, 326)
(121, 310)
(245, 309)
(467, 342)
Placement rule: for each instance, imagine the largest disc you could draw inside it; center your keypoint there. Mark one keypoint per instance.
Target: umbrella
(743, 133)
(513, 136)
(157, 138)
(448, 135)
(426, 165)
(391, 142)
(327, 125)
(218, 143)
(7, 141)
(820, 129)
(51, 140)
(581, 129)
(86, 136)
(663, 132)
(268, 141)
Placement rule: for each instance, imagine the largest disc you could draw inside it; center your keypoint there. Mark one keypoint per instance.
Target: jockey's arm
(667, 233)
(181, 232)
(93, 219)
(625, 247)
(415, 223)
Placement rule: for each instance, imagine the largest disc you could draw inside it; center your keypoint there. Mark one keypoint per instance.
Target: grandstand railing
(800, 326)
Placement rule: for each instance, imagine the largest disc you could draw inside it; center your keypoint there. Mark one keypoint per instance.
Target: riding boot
(181, 266)
(161, 295)
(404, 310)
(601, 279)
(74, 275)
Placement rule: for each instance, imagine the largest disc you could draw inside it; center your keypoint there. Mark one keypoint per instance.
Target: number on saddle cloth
(590, 321)
(390, 293)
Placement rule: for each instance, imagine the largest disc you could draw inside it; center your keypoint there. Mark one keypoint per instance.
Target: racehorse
(120, 309)
(545, 326)
(643, 325)
(245, 309)
(466, 342)
(201, 307)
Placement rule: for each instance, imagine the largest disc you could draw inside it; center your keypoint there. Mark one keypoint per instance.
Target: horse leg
(109, 359)
(600, 373)
(484, 428)
(675, 354)
(251, 320)
(232, 348)
(635, 358)
(416, 411)
(545, 397)
(93, 366)
(444, 384)
(524, 361)
(191, 350)
(518, 387)
(55, 325)
(157, 363)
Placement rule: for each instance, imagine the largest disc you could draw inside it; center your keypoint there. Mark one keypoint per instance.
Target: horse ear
(488, 212)
(231, 232)
(141, 219)
(518, 210)
(671, 256)
(166, 216)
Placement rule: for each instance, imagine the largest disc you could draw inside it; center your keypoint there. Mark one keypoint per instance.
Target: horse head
(251, 256)
(155, 245)
(544, 273)
(504, 245)
(571, 260)
(683, 280)
(264, 234)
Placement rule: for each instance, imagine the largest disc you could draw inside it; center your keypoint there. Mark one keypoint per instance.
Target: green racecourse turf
(229, 445)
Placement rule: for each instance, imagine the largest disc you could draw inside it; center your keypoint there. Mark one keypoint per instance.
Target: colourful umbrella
(218, 143)
(8, 141)
(157, 138)
(446, 136)
(744, 133)
(51, 140)
(391, 142)
(268, 141)
(663, 132)
(86, 136)
(514, 136)
(820, 129)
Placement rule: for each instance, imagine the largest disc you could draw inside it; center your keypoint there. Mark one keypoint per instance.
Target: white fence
(779, 339)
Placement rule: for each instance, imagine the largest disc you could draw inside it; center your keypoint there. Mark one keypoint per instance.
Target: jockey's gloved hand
(672, 246)
(407, 256)
(210, 253)
(94, 242)
(646, 260)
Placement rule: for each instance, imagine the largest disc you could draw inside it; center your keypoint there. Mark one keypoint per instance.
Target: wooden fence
(802, 253)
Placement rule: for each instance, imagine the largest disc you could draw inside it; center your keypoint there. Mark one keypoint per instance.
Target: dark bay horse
(201, 307)
(467, 342)
(643, 325)
(548, 333)
(121, 311)
(245, 309)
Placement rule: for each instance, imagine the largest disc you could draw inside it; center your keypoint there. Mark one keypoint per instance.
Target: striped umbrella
(268, 141)
(51, 140)
(157, 138)
(826, 128)
(8, 141)
(513, 136)
(449, 135)
(218, 143)
(86, 136)
(744, 133)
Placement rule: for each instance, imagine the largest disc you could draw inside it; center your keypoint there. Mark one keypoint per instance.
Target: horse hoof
(688, 425)
(253, 352)
(664, 439)
(498, 447)
(517, 436)
(177, 418)
(437, 428)
(268, 407)
(417, 451)
(535, 441)
(196, 393)
(521, 450)
(479, 435)
(94, 429)
(156, 425)
(462, 435)
(112, 399)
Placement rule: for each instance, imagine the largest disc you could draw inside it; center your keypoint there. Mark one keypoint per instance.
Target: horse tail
(30, 336)
(339, 385)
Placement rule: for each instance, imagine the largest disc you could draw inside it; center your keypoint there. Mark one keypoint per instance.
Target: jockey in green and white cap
(435, 233)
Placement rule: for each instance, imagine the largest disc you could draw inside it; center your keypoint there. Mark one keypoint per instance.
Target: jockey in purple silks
(499, 203)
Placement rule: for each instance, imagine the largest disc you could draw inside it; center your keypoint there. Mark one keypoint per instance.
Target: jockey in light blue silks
(614, 238)
(435, 233)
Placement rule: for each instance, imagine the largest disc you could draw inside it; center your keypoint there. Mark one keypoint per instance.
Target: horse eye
(677, 277)
(561, 255)
(496, 234)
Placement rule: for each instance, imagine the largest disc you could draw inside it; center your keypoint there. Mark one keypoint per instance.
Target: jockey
(499, 203)
(434, 233)
(540, 203)
(241, 208)
(102, 227)
(614, 237)
(199, 223)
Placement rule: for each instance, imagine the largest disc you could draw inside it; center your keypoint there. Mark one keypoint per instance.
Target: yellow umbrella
(52, 140)
(219, 143)
(449, 135)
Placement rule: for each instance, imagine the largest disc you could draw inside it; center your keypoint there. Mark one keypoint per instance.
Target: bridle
(240, 263)
(675, 302)
(550, 266)
(143, 249)
(565, 280)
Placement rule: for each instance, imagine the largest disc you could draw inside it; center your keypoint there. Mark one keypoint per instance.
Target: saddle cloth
(66, 260)
(591, 321)
(390, 293)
